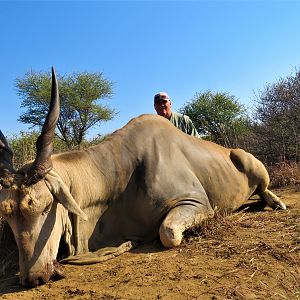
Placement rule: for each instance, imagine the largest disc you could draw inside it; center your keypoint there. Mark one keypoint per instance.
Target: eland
(145, 180)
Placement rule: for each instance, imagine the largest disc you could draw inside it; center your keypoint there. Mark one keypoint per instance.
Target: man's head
(162, 105)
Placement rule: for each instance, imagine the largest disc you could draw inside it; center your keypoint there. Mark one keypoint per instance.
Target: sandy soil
(248, 255)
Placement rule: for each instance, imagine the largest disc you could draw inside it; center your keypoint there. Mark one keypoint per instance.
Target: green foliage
(80, 95)
(24, 148)
(218, 117)
(94, 141)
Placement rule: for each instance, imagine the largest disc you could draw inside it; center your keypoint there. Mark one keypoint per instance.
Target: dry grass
(249, 241)
(212, 228)
(284, 174)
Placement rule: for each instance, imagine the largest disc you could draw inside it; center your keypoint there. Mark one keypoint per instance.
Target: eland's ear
(62, 194)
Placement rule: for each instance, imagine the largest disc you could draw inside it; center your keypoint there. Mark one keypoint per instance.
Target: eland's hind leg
(266, 195)
(257, 175)
(271, 199)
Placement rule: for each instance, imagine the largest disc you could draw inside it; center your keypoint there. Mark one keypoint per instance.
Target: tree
(218, 117)
(80, 95)
(277, 116)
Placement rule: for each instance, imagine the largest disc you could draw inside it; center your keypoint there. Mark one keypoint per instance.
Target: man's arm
(191, 129)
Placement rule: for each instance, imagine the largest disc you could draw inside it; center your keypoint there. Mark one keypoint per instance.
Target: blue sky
(182, 47)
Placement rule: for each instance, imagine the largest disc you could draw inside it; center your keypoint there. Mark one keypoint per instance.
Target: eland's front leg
(181, 218)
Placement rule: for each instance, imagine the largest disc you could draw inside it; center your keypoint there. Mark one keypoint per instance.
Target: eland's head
(35, 202)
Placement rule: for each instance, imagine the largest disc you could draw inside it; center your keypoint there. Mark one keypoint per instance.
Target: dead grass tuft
(212, 228)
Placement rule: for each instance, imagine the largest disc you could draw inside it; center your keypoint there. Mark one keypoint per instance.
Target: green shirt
(184, 123)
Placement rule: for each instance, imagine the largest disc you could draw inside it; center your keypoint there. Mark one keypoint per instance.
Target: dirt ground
(248, 255)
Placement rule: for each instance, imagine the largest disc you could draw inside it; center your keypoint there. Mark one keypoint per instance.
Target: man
(163, 107)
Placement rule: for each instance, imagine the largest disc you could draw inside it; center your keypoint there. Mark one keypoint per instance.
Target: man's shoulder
(178, 116)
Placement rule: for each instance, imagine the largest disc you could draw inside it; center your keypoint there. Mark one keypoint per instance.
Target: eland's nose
(35, 280)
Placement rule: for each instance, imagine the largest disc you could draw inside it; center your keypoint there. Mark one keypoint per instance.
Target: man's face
(163, 108)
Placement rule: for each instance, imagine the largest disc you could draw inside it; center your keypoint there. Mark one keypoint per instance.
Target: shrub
(284, 174)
